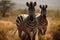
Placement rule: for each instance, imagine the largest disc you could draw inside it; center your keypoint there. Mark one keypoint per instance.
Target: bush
(2, 35)
(56, 32)
(56, 35)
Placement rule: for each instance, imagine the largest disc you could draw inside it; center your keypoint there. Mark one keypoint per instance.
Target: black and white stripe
(43, 23)
(29, 24)
(26, 25)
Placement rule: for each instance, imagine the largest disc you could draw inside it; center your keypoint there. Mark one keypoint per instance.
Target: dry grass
(54, 21)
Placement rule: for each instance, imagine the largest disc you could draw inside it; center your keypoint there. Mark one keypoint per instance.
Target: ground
(8, 25)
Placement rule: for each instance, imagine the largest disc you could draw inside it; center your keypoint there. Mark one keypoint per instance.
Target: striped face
(43, 9)
(31, 10)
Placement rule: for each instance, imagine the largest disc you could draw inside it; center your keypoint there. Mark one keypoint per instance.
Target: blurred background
(11, 9)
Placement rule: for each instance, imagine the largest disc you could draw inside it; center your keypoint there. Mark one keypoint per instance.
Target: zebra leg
(33, 36)
(28, 36)
(24, 36)
(19, 33)
(39, 34)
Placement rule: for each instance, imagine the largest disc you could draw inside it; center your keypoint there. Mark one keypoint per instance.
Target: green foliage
(5, 5)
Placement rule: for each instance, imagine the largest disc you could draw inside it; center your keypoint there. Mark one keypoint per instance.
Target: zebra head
(43, 10)
(31, 9)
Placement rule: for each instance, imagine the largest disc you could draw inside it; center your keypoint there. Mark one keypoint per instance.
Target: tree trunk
(4, 13)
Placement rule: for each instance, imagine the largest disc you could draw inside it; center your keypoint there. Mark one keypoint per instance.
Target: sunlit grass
(53, 16)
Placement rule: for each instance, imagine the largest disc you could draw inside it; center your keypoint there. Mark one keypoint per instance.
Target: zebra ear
(46, 6)
(40, 6)
(35, 3)
(27, 4)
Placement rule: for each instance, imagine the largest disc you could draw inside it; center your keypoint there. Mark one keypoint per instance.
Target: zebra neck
(43, 16)
(43, 12)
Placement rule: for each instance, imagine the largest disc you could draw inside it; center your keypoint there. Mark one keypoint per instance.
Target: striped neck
(43, 13)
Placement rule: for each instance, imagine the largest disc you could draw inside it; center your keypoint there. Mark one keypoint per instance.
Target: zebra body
(29, 24)
(42, 20)
(26, 25)
(42, 27)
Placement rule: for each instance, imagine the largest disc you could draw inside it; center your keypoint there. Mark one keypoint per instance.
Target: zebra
(28, 24)
(42, 19)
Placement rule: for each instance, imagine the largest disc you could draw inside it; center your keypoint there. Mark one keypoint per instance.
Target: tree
(5, 5)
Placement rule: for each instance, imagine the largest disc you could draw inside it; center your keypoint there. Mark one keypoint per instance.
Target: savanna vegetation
(8, 17)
